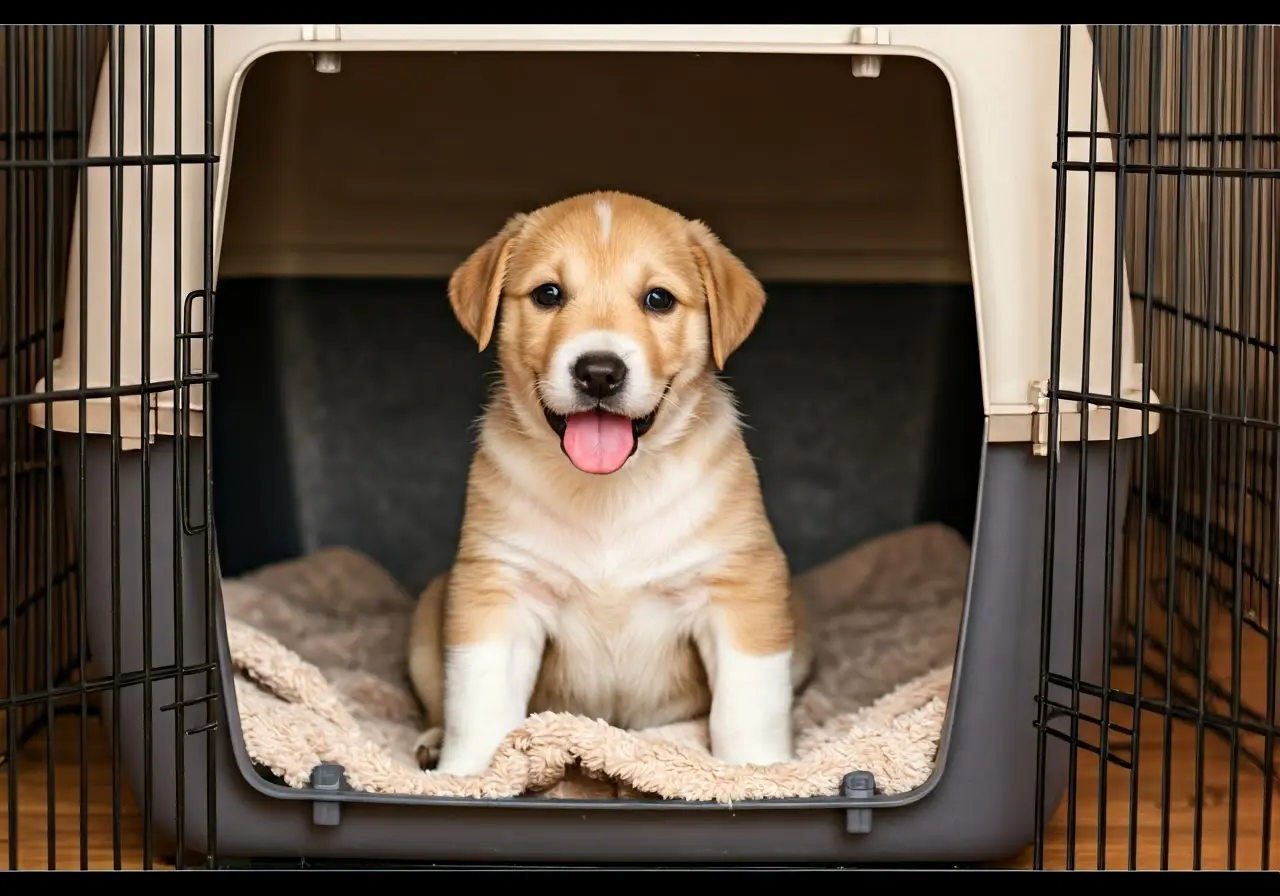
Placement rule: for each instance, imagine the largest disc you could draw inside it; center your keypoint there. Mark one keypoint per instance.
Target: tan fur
(608, 249)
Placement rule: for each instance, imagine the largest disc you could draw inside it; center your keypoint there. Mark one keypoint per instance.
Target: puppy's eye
(548, 295)
(659, 300)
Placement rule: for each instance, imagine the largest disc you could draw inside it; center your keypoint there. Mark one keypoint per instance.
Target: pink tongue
(598, 442)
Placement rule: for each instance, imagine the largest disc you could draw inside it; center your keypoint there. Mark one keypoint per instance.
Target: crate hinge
(327, 63)
(321, 32)
(868, 66)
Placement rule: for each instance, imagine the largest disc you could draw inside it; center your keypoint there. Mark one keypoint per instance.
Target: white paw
(427, 748)
(764, 757)
(750, 721)
(465, 762)
(745, 752)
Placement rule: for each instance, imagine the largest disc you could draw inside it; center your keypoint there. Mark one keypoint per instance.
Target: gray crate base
(978, 806)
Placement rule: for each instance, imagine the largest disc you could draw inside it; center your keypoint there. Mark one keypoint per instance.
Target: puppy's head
(613, 307)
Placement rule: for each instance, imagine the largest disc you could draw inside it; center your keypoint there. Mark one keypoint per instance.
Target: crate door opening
(347, 391)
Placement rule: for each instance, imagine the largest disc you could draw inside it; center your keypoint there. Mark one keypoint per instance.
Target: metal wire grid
(1197, 167)
(39, 573)
(48, 79)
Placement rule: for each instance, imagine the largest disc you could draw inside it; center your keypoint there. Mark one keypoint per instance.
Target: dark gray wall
(343, 409)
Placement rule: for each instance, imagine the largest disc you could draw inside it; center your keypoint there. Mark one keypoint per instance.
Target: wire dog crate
(1183, 538)
(1195, 138)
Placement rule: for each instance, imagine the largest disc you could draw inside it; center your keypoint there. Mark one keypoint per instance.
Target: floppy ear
(476, 286)
(735, 298)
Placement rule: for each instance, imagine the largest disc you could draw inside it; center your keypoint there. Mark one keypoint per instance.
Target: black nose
(599, 374)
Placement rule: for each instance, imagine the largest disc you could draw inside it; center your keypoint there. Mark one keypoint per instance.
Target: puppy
(615, 558)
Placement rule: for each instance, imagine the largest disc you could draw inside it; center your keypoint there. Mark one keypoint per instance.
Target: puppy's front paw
(464, 762)
(427, 748)
(752, 751)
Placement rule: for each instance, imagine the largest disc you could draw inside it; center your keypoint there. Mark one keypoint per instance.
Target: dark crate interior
(344, 412)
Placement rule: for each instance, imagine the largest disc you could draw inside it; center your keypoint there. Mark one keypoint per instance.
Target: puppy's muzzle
(599, 439)
(599, 374)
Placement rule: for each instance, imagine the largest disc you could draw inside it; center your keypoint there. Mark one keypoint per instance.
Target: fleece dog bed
(319, 651)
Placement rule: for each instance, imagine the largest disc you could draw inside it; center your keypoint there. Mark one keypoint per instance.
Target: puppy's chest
(612, 556)
(621, 605)
(632, 663)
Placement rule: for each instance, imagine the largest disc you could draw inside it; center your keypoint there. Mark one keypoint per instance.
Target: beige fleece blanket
(318, 648)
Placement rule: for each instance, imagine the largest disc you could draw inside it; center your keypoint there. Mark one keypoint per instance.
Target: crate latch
(325, 63)
(858, 786)
(868, 66)
(328, 777)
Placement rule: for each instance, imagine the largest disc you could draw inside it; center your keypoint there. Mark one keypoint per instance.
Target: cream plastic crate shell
(1004, 83)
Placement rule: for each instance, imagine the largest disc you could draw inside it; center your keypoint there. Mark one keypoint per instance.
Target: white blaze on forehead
(604, 211)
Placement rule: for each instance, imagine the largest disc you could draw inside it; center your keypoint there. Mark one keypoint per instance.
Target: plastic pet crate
(893, 187)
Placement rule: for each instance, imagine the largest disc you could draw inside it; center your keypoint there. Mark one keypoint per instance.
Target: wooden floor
(1213, 838)
(1151, 810)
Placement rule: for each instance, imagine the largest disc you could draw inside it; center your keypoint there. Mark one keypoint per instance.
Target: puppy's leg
(426, 667)
(802, 655)
(493, 651)
(747, 648)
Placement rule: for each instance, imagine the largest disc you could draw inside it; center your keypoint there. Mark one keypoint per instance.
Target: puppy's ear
(735, 298)
(476, 286)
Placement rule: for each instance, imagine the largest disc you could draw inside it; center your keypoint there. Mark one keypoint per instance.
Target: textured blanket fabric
(318, 647)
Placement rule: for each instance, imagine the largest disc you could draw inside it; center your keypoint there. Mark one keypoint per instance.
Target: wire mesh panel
(42, 122)
(1177, 732)
(63, 123)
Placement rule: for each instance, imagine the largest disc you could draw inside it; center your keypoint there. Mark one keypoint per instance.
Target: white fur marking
(604, 211)
(487, 688)
(751, 705)
(621, 542)
(618, 665)
(613, 570)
